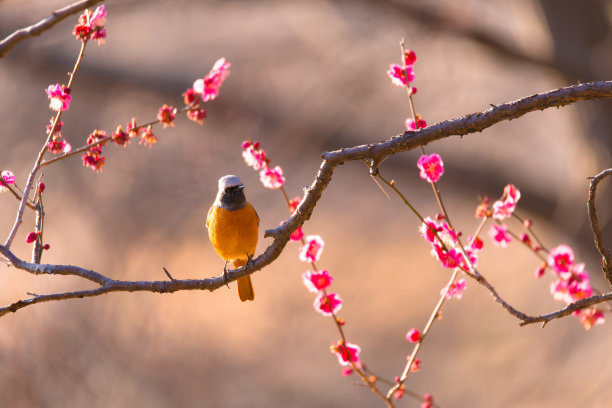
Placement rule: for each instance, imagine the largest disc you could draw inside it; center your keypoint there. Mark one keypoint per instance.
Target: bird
(233, 228)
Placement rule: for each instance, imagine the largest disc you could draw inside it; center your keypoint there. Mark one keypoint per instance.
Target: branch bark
(43, 25)
(372, 153)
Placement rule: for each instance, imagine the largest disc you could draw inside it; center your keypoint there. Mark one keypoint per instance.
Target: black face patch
(233, 198)
(233, 189)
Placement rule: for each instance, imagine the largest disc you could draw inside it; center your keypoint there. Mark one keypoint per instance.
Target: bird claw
(225, 277)
(249, 261)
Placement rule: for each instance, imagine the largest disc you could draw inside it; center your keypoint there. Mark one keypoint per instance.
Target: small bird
(233, 226)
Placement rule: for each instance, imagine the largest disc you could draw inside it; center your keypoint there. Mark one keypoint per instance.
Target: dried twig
(43, 25)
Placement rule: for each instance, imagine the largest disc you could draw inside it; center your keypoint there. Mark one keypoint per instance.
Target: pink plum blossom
(431, 167)
(591, 317)
(98, 17)
(572, 285)
(209, 86)
(455, 289)
(90, 26)
(297, 235)
(449, 259)
(413, 335)
(272, 178)
(317, 280)
(8, 176)
(346, 352)
(409, 57)
(399, 76)
(59, 146)
(327, 304)
(504, 208)
(561, 258)
(500, 236)
(411, 125)
(428, 230)
(311, 250)
(254, 156)
(59, 96)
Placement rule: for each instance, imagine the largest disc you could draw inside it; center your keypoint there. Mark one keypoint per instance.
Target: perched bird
(233, 226)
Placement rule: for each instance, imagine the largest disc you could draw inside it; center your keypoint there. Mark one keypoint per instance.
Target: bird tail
(245, 286)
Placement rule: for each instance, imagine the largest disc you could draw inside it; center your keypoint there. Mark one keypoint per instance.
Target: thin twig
(36, 29)
(606, 256)
(86, 147)
(36, 167)
(417, 347)
(168, 274)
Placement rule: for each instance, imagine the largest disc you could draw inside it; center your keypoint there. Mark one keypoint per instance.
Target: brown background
(306, 77)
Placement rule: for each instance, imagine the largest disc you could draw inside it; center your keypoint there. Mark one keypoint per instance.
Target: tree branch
(43, 25)
(606, 257)
(372, 153)
(569, 309)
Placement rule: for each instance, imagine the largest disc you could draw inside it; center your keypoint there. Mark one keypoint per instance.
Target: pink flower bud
(32, 237)
(413, 335)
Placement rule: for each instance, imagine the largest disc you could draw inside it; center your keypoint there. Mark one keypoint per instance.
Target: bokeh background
(306, 77)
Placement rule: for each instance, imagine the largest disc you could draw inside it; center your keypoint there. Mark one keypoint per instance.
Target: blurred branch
(43, 25)
(374, 154)
(606, 257)
(447, 21)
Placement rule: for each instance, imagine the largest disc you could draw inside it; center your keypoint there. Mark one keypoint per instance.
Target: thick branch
(36, 29)
(475, 122)
(606, 257)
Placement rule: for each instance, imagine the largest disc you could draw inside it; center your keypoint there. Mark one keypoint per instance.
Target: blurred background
(306, 77)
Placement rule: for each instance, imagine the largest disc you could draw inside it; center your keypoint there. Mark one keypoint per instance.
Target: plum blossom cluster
(572, 284)
(317, 281)
(205, 89)
(57, 144)
(254, 156)
(572, 280)
(445, 247)
(402, 76)
(91, 26)
(500, 210)
(93, 157)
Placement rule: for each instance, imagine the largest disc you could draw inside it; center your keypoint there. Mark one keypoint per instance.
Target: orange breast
(233, 233)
